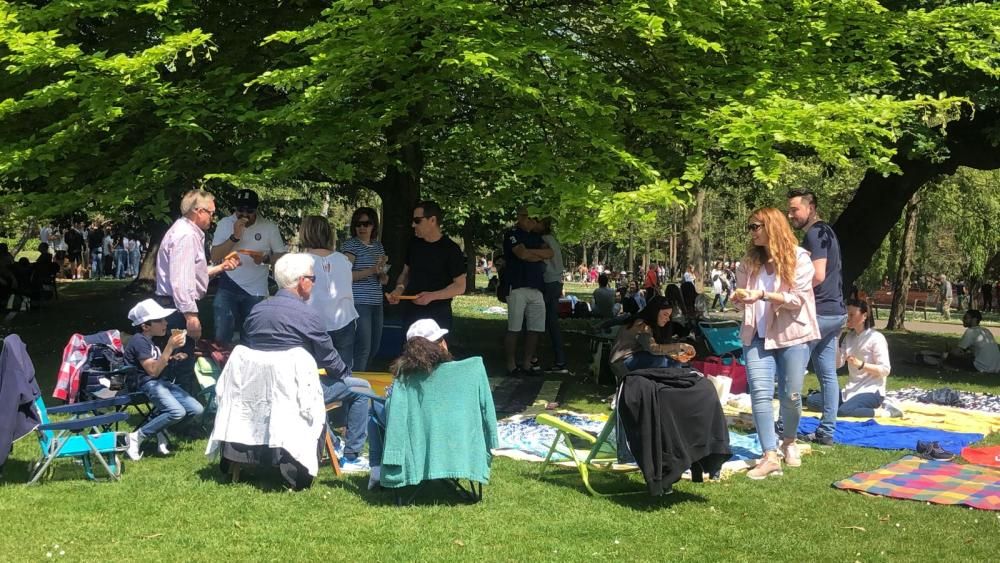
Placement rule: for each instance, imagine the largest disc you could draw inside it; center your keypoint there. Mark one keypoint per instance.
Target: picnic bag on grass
(713, 365)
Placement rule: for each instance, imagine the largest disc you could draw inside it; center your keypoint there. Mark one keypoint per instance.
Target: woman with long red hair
(774, 288)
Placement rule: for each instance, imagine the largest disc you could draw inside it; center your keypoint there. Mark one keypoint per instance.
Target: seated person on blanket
(171, 403)
(286, 321)
(645, 342)
(425, 349)
(866, 354)
(977, 350)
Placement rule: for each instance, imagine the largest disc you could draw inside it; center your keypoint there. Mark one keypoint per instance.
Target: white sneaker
(893, 408)
(375, 477)
(162, 443)
(356, 465)
(132, 446)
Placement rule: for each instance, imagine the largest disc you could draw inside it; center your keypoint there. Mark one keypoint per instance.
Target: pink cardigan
(792, 322)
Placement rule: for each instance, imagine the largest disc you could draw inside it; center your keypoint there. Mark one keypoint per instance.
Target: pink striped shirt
(181, 267)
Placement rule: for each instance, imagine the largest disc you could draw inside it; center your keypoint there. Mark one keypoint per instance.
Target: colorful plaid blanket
(940, 482)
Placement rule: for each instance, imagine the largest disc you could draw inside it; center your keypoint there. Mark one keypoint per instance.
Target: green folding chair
(601, 456)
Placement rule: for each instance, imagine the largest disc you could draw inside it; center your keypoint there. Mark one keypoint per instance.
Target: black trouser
(440, 311)
(180, 372)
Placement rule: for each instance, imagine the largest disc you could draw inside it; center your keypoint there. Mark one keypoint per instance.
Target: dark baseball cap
(247, 199)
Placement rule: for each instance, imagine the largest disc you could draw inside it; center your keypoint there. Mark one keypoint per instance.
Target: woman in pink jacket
(774, 288)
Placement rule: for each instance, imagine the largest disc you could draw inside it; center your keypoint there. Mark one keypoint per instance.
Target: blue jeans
(121, 263)
(231, 309)
(643, 360)
(824, 361)
(134, 261)
(96, 263)
(171, 404)
(552, 293)
(356, 405)
(862, 405)
(376, 429)
(787, 366)
(343, 341)
(368, 337)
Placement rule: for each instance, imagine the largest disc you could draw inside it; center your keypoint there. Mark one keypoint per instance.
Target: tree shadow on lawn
(903, 347)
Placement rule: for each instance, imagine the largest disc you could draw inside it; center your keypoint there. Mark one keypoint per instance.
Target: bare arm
(819, 276)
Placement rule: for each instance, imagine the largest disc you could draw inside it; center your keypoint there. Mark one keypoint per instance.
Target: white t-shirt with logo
(263, 236)
(980, 340)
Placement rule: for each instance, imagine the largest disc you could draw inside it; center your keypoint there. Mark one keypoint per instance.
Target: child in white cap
(172, 403)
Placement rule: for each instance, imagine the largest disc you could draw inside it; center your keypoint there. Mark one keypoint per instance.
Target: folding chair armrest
(558, 424)
(77, 424)
(88, 406)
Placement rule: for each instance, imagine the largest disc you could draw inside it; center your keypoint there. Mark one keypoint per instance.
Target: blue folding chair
(81, 436)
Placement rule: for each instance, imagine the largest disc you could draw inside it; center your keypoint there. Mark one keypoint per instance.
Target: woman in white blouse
(866, 354)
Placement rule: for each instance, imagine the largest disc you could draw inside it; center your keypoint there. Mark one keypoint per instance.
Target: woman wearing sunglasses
(774, 289)
(368, 275)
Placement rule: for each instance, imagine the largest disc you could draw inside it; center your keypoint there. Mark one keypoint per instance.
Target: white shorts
(525, 304)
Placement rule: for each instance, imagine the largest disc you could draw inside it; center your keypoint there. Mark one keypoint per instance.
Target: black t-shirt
(433, 265)
(74, 240)
(139, 349)
(520, 273)
(821, 242)
(95, 239)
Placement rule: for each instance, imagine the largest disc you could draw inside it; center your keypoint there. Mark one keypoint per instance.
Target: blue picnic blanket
(870, 434)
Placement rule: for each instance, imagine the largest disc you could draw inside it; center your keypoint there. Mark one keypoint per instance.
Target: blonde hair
(315, 232)
(780, 249)
(193, 199)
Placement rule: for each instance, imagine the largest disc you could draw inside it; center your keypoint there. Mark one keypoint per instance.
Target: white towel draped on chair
(270, 399)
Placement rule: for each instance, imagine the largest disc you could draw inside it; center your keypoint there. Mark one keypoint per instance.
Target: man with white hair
(182, 274)
(284, 322)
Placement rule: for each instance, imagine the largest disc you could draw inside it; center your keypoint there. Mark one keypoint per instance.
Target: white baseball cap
(148, 310)
(426, 328)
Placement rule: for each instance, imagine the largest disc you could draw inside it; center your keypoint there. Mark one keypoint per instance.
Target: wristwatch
(233, 238)
(763, 296)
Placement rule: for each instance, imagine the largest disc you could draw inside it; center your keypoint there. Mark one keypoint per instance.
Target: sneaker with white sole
(790, 453)
(893, 408)
(162, 444)
(356, 465)
(132, 446)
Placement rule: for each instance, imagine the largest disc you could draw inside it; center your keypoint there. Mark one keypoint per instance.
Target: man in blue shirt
(284, 322)
(824, 249)
(525, 253)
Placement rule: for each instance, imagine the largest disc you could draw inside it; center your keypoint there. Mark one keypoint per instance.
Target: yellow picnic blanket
(921, 415)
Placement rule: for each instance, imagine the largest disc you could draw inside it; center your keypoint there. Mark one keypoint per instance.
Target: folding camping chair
(599, 455)
(81, 437)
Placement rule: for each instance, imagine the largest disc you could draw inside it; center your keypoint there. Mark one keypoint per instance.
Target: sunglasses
(417, 220)
(754, 227)
(246, 210)
(363, 224)
(310, 278)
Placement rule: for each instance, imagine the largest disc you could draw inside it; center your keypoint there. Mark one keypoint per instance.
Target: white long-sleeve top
(870, 347)
(270, 399)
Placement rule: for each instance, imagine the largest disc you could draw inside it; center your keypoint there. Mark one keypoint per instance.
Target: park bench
(914, 300)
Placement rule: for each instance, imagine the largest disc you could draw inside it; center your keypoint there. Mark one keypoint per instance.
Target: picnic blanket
(918, 415)
(871, 434)
(520, 437)
(940, 482)
(983, 456)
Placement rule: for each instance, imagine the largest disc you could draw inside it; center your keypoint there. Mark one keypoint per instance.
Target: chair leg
(331, 451)
(53, 454)
(234, 472)
(552, 450)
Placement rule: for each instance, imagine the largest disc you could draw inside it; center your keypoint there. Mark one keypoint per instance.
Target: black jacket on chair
(673, 421)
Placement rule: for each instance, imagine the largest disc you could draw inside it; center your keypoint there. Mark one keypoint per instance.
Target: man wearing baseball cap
(172, 404)
(258, 244)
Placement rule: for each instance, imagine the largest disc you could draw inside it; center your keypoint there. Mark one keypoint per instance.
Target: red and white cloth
(74, 359)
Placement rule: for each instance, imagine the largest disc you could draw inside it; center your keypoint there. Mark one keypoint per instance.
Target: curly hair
(420, 355)
(780, 249)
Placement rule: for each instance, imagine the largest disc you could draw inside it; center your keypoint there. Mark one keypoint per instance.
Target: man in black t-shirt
(74, 248)
(95, 240)
(434, 271)
(824, 250)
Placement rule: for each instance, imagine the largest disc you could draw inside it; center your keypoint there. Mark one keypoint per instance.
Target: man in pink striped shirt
(182, 274)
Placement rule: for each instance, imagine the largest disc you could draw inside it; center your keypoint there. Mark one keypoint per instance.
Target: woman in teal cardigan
(440, 421)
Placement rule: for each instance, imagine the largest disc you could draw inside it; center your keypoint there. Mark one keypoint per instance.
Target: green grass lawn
(179, 507)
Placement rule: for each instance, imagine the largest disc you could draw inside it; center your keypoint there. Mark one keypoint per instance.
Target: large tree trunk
(901, 287)
(694, 247)
(583, 250)
(468, 237)
(880, 199)
(400, 190)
